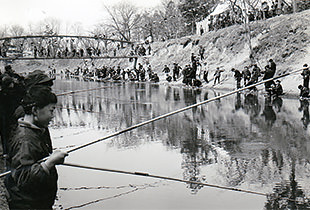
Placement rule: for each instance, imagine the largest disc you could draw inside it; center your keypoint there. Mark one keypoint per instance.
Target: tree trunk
(294, 4)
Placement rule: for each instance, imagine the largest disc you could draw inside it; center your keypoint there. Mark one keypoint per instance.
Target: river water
(242, 141)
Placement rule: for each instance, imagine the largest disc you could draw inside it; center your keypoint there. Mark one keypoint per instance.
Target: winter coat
(30, 186)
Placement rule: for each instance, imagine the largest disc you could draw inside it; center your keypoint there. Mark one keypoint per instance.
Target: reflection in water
(277, 102)
(268, 113)
(238, 104)
(288, 195)
(251, 105)
(229, 142)
(304, 107)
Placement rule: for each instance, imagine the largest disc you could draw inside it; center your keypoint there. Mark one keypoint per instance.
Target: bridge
(42, 47)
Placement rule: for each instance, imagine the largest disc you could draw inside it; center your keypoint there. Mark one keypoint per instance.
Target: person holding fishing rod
(32, 183)
(269, 72)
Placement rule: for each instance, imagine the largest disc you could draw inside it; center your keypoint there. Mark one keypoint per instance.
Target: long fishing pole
(168, 178)
(79, 91)
(161, 177)
(178, 111)
(171, 113)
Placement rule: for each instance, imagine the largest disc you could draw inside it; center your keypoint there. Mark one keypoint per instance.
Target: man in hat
(306, 75)
(277, 89)
(166, 69)
(238, 77)
(217, 75)
(176, 71)
(38, 77)
(269, 72)
(35, 78)
(304, 92)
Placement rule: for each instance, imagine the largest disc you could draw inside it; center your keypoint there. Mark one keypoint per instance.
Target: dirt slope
(285, 39)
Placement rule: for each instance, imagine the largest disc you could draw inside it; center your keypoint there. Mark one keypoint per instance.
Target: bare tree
(101, 30)
(77, 28)
(16, 30)
(48, 26)
(4, 31)
(124, 19)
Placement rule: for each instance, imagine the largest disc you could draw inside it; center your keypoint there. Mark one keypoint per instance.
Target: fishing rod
(179, 110)
(162, 177)
(80, 110)
(170, 114)
(170, 179)
(79, 91)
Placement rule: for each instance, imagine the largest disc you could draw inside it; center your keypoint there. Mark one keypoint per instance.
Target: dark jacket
(30, 186)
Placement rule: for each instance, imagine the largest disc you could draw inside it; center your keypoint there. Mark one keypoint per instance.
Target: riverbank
(285, 39)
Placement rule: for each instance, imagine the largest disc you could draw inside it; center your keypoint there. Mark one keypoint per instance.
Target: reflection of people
(288, 194)
(304, 106)
(238, 104)
(277, 102)
(268, 112)
(176, 94)
(251, 105)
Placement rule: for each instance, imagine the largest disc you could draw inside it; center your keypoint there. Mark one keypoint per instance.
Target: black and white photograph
(154, 104)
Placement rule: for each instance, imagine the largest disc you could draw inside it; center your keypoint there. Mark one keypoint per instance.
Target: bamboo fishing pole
(161, 177)
(171, 113)
(179, 110)
(79, 91)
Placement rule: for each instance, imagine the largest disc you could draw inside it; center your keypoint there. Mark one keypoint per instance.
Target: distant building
(220, 8)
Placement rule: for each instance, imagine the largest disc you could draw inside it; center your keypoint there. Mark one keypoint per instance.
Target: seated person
(154, 78)
(277, 89)
(169, 78)
(304, 92)
(196, 83)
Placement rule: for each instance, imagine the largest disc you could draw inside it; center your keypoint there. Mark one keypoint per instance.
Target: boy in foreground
(32, 183)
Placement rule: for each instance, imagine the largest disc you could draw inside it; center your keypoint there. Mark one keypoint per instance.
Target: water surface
(243, 141)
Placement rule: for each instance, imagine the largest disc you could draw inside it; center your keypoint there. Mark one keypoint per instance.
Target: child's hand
(57, 157)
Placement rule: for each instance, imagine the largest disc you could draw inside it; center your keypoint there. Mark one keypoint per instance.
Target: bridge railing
(65, 47)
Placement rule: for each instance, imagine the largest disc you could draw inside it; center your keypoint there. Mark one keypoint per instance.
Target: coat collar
(26, 124)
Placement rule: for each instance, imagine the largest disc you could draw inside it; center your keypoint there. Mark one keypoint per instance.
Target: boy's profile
(32, 183)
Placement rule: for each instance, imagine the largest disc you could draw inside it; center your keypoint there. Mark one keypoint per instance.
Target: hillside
(285, 39)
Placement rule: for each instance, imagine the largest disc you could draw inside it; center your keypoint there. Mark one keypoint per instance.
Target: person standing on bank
(306, 75)
(238, 77)
(33, 184)
(269, 72)
(217, 75)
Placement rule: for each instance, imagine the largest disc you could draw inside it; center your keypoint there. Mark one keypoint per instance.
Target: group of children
(32, 183)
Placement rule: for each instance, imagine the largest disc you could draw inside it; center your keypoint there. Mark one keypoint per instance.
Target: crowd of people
(54, 47)
(27, 106)
(236, 16)
(251, 74)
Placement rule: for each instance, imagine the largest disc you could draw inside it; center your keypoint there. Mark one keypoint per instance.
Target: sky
(87, 12)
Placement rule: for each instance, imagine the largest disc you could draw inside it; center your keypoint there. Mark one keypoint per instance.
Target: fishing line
(164, 115)
(162, 177)
(171, 179)
(178, 111)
